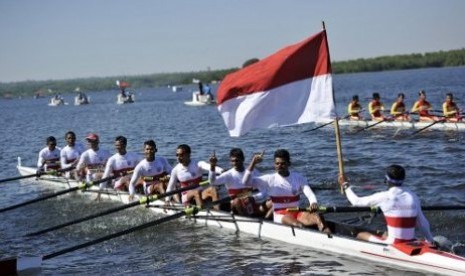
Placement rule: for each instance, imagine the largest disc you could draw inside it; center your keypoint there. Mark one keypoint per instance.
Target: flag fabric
(292, 86)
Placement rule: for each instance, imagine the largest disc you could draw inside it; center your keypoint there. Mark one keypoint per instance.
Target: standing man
(49, 157)
(188, 172)
(69, 155)
(422, 107)
(284, 187)
(400, 206)
(93, 160)
(451, 110)
(153, 172)
(398, 110)
(253, 205)
(120, 164)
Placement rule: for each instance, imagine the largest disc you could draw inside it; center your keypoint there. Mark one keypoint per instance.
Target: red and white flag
(292, 86)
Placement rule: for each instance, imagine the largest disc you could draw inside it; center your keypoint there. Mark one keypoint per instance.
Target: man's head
(150, 148)
(120, 144)
(282, 161)
(395, 175)
(236, 157)
(51, 142)
(70, 138)
(183, 154)
(376, 96)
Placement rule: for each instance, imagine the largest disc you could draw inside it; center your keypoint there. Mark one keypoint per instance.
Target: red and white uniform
(119, 164)
(68, 155)
(157, 168)
(402, 210)
(232, 179)
(187, 176)
(283, 191)
(93, 161)
(49, 158)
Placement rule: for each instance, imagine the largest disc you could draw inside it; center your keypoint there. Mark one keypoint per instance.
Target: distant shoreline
(452, 58)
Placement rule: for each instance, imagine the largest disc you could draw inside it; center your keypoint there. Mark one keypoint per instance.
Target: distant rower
(422, 107)
(354, 109)
(376, 108)
(450, 109)
(398, 109)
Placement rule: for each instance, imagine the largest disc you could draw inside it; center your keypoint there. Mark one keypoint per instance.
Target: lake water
(434, 161)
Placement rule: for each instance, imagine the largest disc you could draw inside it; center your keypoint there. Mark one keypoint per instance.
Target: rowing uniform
(283, 191)
(49, 160)
(375, 108)
(398, 108)
(402, 211)
(69, 155)
(417, 107)
(93, 161)
(354, 110)
(232, 179)
(150, 172)
(119, 164)
(451, 111)
(188, 176)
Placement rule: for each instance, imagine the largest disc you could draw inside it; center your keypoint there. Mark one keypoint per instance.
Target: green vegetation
(398, 62)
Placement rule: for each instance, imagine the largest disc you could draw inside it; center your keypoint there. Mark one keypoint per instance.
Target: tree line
(384, 63)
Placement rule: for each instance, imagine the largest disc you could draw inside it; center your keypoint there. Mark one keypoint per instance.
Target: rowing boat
(415, 256)
(399, 124)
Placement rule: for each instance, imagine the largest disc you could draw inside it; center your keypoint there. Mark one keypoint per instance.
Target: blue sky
(58, 39)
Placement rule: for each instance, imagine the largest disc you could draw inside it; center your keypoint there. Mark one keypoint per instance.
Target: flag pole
(336, 126)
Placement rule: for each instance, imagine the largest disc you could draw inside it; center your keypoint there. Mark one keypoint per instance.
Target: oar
(377, 123)
(143, 200)
(430, 125)
(37, 174)
(12, 266)
(352, 209)
(82, 186)
(323, 125)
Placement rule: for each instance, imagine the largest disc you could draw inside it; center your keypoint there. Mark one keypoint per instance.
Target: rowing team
(398, 112)
(278, 192)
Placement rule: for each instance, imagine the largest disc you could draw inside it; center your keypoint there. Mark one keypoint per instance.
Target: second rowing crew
(271, 196)
(398, 111)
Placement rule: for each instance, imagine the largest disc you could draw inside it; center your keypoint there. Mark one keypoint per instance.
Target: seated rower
(376, 108)
(450, 109)
(70, 154)
(284, 187)
(422, 107)
(152, 171)
(401, 208)
(49, 157)
(189, 172)
(93, 160)
(252, 205)
(354, 108)
(398, 109)
(122, 163)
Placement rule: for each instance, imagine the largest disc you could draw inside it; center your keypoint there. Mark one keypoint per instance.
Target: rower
(49, 157)
(69, 155)
(354, 109)
(375, 107)
(284, 187)
(398, 109)
(121, 163)
(450, 109)
(252, 205)
(93, 160)
(422, 107)
(189, 172)
(400, 206)
(153, 172)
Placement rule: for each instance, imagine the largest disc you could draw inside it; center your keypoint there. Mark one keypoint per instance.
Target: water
(433, 159)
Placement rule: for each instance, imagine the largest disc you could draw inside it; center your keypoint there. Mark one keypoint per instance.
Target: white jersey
(157, 168)
(283, 191)
(93, 160)
(69, 155)
(49, 158)
(232, 179)
(402, 211)
(119, 164)
(190, 175)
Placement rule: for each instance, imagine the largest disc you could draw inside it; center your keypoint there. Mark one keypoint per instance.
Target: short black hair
(355, 97)
(422, 92)
(237, 152)
(70, 132)
(122, 140)
(185, 148)
(51, 139)
(376, 95)
(401, 95)
(395, 172)
(283, 154)
(150, 143)
(450, 95)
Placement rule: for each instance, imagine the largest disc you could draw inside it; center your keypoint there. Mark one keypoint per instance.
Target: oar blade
(20, 265)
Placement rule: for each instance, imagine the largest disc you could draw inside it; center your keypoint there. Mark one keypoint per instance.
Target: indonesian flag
(292, 86)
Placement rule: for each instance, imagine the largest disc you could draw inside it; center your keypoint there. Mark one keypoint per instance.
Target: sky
(58, 39)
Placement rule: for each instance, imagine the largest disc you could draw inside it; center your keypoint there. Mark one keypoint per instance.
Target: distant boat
(57, 101)
(129, 98)
(175, 88)
(200, 99)
(81, 99)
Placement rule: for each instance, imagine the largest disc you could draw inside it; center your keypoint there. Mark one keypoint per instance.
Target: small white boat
(81, 99)
(200, 99)
(460, 126)
(414, 256)
(129, 98)
(175, 88)
(57, 101)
